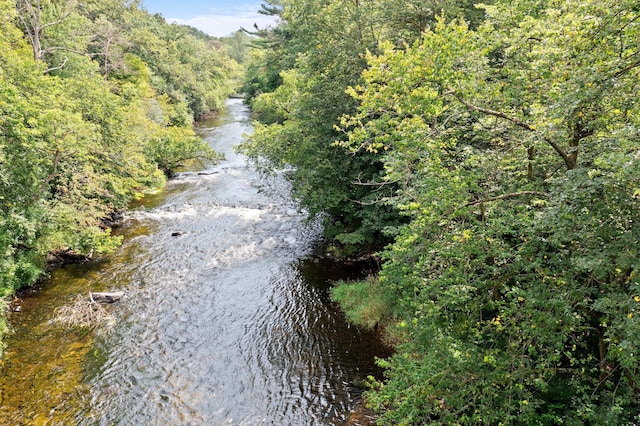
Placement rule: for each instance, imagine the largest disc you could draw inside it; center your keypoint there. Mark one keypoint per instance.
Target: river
(226, 321)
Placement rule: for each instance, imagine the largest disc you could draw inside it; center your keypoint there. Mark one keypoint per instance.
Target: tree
(301, 77)
(38, 19)
(321, 40)
(513, 288)
(83, 135)
(238, 46)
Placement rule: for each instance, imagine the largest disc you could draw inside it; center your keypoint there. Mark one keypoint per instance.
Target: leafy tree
(271, 55)
(37, 16)
(301, 76)
(238, 46)
(185, 67)
(514, 285)
(508, 148)
(86, 124)
(324, 38)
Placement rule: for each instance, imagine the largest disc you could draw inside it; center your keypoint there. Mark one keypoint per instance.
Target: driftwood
(83, 313)
(106, 297)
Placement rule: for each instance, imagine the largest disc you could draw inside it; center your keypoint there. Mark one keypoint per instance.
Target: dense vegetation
(97, 101)
(495, 151)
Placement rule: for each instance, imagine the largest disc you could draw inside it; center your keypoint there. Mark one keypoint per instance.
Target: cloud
(225, 23)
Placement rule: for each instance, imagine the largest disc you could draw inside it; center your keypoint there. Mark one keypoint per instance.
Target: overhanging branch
(569, 162)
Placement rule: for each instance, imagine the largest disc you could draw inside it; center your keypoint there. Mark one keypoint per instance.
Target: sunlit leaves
(510, 151)
(88, 124)
(515, 162)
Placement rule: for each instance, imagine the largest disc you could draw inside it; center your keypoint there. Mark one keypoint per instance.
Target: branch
(373, 183)
(59, 67)
(569, 162)
(49, 178)
(29, 29)
(492, 112)
(505, 196)
(66, 49)
(380, 199)
(626, 69)
(64, 16)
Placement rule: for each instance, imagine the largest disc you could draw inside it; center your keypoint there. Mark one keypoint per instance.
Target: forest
(97, 103)
(488, 156)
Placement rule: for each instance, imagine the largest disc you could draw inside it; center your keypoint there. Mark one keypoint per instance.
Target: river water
(226, 320)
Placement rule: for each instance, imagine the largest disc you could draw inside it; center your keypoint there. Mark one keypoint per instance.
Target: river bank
(227, 320)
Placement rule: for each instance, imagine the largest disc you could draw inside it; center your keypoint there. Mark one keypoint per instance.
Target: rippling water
(226, 320)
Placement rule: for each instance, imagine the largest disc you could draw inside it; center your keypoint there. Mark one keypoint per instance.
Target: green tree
(87, 123)
(325, 38)
(301, 76)
(238, 46)
(514, 286)
(186, 66)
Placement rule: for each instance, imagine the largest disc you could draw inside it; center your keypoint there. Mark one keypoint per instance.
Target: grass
(362, 301)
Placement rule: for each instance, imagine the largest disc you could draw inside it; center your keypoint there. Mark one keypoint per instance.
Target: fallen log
(106, 297)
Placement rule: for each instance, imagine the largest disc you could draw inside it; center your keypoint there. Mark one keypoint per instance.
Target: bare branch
(378, 184)
(57, 21)
(59, 67)
(66, 49)
(30, 15)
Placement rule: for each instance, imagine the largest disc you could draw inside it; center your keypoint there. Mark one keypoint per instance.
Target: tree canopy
(495, 150)
(97, 101)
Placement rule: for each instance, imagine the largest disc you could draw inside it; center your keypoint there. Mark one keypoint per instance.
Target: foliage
(317, 49)
(297, 85)
(185, 65)
(238, 46)
(96, 102)
(517, 273)
(502, 157)
(175, 145)
(362, 301)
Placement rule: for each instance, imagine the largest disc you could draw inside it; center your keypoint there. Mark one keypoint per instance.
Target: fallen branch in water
(83, 313)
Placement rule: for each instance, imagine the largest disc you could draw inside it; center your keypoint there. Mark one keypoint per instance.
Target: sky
(218, 18)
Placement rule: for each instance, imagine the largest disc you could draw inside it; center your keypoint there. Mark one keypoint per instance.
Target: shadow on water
(227, 318)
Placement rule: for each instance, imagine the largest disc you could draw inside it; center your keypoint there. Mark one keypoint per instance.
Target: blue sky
(215, 17)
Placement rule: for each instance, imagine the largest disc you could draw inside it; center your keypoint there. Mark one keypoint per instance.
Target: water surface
(226, 320)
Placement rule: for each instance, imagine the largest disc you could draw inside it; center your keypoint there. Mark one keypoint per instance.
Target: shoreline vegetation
(97, 106)
(488, 154)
